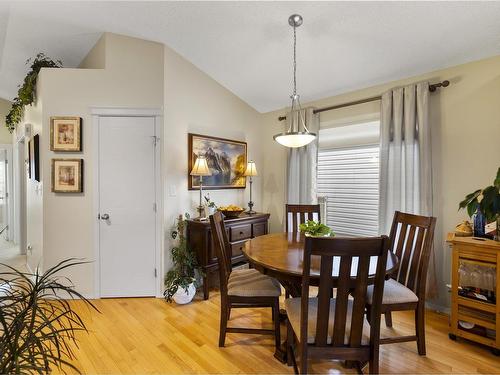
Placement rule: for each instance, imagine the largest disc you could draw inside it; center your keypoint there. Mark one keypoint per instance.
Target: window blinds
(349, 179)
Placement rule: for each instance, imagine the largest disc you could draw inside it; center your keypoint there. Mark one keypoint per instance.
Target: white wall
(465, 120)
(5, 136)
(128, 72)
(132, 77)
(195, 103)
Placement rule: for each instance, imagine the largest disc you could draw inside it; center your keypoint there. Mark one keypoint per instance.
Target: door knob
(104, 217)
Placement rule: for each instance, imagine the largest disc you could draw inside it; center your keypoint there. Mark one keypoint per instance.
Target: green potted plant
(315, 229)
(487, 200)
(38, 325)
(211, 208)
(180, 281)
(26, 94)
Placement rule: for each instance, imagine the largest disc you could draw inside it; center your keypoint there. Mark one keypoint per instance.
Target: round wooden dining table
(281, 255)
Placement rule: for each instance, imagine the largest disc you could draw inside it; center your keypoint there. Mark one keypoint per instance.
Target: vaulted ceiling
(247, 46)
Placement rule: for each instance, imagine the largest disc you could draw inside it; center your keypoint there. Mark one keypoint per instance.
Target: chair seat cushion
(251, 283)
(394, 292)
(292, 306)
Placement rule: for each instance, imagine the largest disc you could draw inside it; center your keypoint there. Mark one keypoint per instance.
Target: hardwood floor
(146, 335)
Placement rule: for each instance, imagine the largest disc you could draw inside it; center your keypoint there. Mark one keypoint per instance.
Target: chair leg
(420, 328)
(303, 360)
(388, 319)
(276, 316)
(373, 364)
(224, 315)
(290, 359)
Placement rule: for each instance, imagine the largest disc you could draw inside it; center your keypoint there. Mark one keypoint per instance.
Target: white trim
(126, 112)
(98, 112)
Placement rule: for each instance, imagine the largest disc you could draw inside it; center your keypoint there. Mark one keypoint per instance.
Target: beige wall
(465, 120)
(68, 219)
(136, 74)
(195, 103)
(5, 136)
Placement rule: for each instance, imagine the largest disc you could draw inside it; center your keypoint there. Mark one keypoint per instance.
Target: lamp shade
(251, 169)
(200, 167)
(295, 139)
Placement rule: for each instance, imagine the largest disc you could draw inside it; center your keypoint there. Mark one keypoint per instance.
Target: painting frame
(56, 122)
(192, 138)
(77, 186)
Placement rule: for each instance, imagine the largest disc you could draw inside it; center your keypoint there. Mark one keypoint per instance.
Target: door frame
(19, 197)
(156, 113)
(9, 190)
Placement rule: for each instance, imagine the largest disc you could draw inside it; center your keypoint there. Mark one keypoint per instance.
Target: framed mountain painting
(226, 159)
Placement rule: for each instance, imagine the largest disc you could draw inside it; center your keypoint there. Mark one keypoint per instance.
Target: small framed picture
(67, 175)
(66, 134)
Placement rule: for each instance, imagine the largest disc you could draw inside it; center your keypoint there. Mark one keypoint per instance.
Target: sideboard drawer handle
(241, 232)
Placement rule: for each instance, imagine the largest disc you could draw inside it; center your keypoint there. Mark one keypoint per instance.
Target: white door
(127, 206)
(3, 192)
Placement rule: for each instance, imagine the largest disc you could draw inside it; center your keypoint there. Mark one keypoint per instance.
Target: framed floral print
(226, 158)
(66, 134)
(67, 175)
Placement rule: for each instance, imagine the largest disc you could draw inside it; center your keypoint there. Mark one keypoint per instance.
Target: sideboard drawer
(259, 229)
(241, 232)
(237, 248)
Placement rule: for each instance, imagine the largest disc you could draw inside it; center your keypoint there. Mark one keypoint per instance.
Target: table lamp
(200, 169)
(250, 172)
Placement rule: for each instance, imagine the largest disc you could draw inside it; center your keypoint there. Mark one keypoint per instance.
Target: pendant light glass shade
(296, 135)
(294, 140)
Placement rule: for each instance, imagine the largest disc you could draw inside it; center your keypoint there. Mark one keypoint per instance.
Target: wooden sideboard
(483, 314)
(239, 230)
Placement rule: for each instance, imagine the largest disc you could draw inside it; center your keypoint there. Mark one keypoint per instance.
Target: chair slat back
(353, 253)
(297, 214)
(222, 248)
(411, 240)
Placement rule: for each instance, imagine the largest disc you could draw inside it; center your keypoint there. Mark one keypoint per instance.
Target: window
(348, 176)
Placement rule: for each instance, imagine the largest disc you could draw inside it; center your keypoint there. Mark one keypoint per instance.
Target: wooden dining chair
(242, 288)
(335, 328)
(297, 214)
(411, 239)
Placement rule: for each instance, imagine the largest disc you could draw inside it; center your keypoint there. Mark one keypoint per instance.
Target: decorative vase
(210, 210)
(479, 223)
(181, 297)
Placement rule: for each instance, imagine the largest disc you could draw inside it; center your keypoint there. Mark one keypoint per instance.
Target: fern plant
(37, 322)
(26, 95)
(183, 272)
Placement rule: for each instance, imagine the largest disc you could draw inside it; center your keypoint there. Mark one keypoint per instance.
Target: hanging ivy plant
(26, 94)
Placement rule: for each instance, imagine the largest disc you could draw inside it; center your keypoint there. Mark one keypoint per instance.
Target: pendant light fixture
(297, 134)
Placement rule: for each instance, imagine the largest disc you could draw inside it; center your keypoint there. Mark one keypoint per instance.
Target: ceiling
(247, 46)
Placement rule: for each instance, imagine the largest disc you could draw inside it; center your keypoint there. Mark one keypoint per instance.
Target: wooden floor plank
(150, 336)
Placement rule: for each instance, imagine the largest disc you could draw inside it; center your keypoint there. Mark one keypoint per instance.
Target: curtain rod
(432, 87)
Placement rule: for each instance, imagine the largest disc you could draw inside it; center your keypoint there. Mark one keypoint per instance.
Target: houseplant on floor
(487, 201)
(38, 325)
(180, 281)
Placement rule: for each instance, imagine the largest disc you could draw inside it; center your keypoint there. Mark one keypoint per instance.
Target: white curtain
(302, 163)
(405, 154)
(406, 160)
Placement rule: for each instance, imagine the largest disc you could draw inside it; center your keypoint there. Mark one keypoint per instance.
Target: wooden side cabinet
(239, 230)
(475, 314)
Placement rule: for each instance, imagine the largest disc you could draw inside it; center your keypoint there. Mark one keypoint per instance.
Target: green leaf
(469, 198)
(472, 207)
(497, 179)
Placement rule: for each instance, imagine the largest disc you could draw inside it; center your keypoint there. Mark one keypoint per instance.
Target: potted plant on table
(180, 281)
(211, 207)
(313, 228)
(485, 201)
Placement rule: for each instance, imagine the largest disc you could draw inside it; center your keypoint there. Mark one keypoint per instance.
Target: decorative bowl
(232, 214)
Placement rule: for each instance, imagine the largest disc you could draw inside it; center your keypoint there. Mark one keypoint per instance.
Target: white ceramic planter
(182, 297)
(210, 210)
